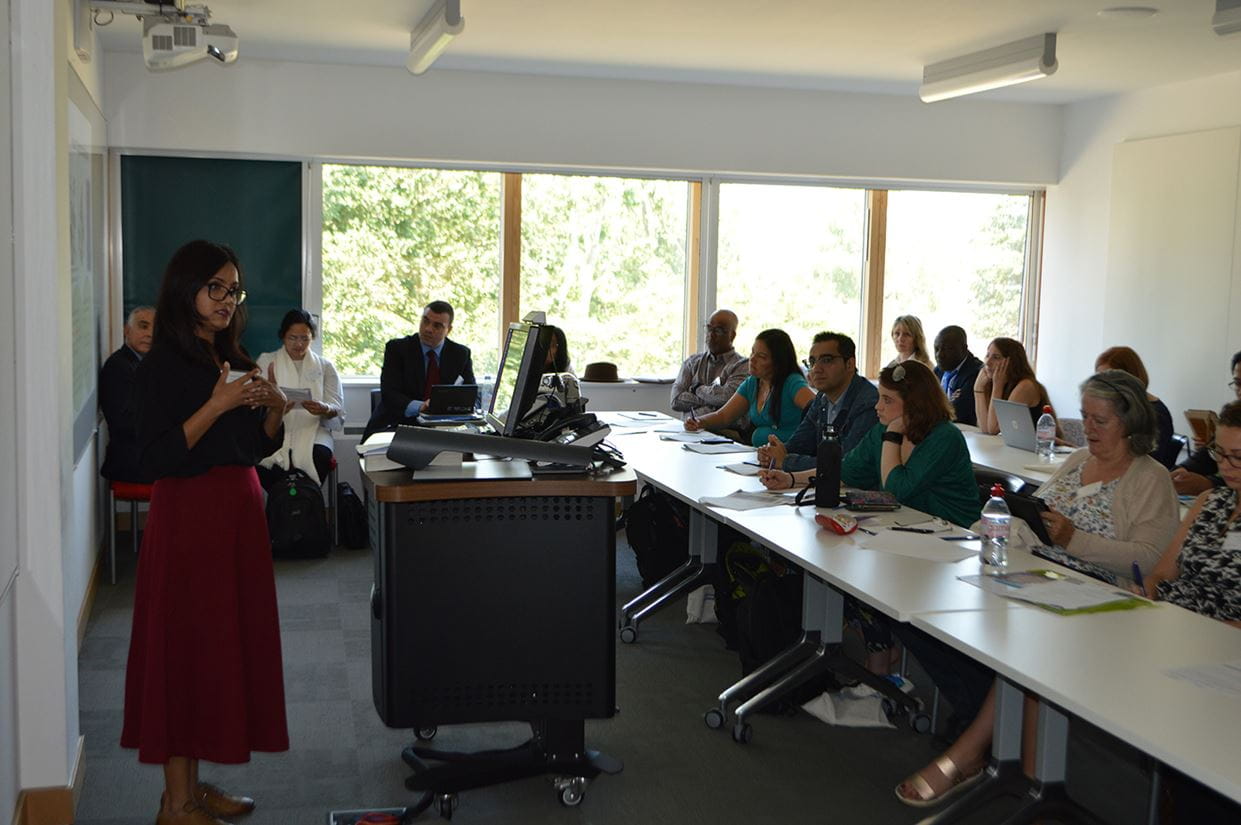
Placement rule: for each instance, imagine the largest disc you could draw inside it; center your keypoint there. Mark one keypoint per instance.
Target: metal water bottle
(827, 469)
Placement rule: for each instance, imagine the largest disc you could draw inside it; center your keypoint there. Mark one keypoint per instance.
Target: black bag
(351, 518)
(657, 527)
(296, 518)
(766, 606)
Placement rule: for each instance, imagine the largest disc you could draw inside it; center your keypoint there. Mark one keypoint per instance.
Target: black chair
(986, 479)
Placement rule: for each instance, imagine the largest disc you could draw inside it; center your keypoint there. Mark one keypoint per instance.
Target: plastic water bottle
(827, 469)
(995, 524)
(1045, 436)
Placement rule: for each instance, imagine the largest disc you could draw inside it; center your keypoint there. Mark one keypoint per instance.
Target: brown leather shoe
(191, 814)
(215, 800)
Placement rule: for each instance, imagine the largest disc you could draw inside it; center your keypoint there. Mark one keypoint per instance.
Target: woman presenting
(204, 678)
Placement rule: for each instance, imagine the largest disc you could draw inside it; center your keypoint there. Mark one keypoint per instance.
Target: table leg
(695, 572)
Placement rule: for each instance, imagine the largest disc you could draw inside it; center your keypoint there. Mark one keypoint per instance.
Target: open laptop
(1016, 427)
(451, 402)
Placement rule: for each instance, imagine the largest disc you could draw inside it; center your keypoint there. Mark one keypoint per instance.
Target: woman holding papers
(310, 422)
(774, 395)
(204, 678)
(1112, 508)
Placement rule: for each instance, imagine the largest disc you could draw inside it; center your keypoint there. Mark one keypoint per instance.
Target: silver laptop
(1016, 428)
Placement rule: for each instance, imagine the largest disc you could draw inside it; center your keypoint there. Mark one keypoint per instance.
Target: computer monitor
(517, 382)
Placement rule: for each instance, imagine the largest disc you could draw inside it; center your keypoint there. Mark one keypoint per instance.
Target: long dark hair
(561, 362)
(925, 403)
(783, 364)
(296, 316)
(1019, 368)
(176, 316)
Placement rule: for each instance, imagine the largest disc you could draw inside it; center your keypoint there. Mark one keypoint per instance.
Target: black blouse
(170, 388)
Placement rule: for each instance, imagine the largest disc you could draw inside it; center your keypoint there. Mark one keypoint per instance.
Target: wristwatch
(895, 438)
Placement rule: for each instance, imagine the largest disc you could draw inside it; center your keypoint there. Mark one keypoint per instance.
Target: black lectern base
(557, 748)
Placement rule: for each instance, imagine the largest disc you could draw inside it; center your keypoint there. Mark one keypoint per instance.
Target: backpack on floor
(657, 528)
(351, 518)
(296, 518)
(766, 606)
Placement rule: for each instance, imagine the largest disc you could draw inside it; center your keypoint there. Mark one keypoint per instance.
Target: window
(790, 257)
(395, 239)
(955, 258)
(605, 259)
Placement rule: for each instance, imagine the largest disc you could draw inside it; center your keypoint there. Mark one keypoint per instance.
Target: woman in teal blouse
(774, 395)
(917, 455)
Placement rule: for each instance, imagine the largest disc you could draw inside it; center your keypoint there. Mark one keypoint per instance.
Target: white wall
(1074, 312)
(309, 110)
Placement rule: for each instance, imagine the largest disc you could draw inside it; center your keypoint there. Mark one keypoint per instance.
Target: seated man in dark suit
(414, 364)
(957, 370)
(116, 398)
(846, 400)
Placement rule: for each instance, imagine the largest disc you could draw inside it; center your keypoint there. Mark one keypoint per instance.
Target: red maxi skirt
(205, 678)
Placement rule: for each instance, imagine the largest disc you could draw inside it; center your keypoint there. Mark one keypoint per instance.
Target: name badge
(1232, 540)
(1089, 489)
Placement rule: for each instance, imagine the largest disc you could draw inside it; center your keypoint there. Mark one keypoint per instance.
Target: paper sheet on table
(743, 500)
(716, 449)
(1053, 590)
(742, 468)
(1225, 676)
(678, 427)
(914, 545)
(681, 435)
(644, 417)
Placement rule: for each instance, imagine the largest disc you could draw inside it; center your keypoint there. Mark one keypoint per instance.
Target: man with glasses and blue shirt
(846, 401)
(708, 379)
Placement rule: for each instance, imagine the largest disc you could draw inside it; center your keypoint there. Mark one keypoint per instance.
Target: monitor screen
(517, 382)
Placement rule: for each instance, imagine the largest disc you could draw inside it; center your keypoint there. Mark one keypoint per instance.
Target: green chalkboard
(254, 206)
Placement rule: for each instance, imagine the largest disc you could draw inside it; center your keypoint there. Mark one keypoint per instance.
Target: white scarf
(300, 427)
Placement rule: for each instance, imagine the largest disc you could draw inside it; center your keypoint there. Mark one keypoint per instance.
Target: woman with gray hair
(1111, 504)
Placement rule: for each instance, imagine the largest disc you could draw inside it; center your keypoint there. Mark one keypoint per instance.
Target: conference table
(1130, 695)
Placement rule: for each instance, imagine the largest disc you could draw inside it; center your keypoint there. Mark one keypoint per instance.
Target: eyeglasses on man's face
(826, 360)
(1233, 384)
(219, 292)
(1219, 456)
(720, 331)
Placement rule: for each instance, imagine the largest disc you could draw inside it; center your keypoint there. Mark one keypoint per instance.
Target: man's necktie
(433, 374)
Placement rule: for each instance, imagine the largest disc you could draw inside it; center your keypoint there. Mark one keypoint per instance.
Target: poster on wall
(86, 254)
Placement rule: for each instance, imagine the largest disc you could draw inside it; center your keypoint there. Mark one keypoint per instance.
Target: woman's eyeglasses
(1219, 456)
(219, 292)
(825, 360)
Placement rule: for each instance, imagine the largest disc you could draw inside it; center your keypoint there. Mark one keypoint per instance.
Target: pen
(752, 463)
(912, 529)
(771, 464)
(966, 537)
(1137, 577)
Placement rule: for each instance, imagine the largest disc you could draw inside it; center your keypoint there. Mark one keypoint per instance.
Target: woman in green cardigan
(916, 454)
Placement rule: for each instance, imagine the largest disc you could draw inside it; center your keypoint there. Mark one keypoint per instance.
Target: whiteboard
(1172, 265)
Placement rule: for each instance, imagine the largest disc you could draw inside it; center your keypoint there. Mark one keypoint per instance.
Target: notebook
(1016, 427)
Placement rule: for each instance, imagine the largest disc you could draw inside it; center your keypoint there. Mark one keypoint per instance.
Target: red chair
(133, 493)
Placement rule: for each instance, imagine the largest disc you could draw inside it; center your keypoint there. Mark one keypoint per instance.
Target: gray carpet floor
(796, 770)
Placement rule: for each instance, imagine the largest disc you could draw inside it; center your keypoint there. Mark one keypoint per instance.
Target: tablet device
(451, 399)
(1016, 426)
(1028, 509)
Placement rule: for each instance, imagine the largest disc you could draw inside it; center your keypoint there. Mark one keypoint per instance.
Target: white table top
(991, 452)
(1108, 668)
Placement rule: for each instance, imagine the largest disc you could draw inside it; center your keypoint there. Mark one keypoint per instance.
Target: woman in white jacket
(308, 425)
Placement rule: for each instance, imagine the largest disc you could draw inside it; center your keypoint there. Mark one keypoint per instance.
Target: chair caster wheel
(743, 734)
(921, 723)
(571, 791)
(448, 804)
(629, 634)
(714, 718)
(425, 734)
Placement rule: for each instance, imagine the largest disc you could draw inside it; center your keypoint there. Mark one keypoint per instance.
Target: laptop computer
(452, 399)
(1016, 427)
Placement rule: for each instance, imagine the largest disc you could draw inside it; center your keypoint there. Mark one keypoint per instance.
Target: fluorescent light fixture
(1227, 19)
(1006, 65)
(433, 34)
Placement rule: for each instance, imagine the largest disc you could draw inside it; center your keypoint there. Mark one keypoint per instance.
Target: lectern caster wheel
(426, 734)
(743, 733)
(921, 723)
(448, 804)
(714, 718)
(629, 634)
(571, 791)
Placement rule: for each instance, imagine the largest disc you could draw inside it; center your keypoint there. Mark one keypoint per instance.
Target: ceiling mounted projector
(434, 32)
(1227, 19)
(174, 34)
(1007, 65)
